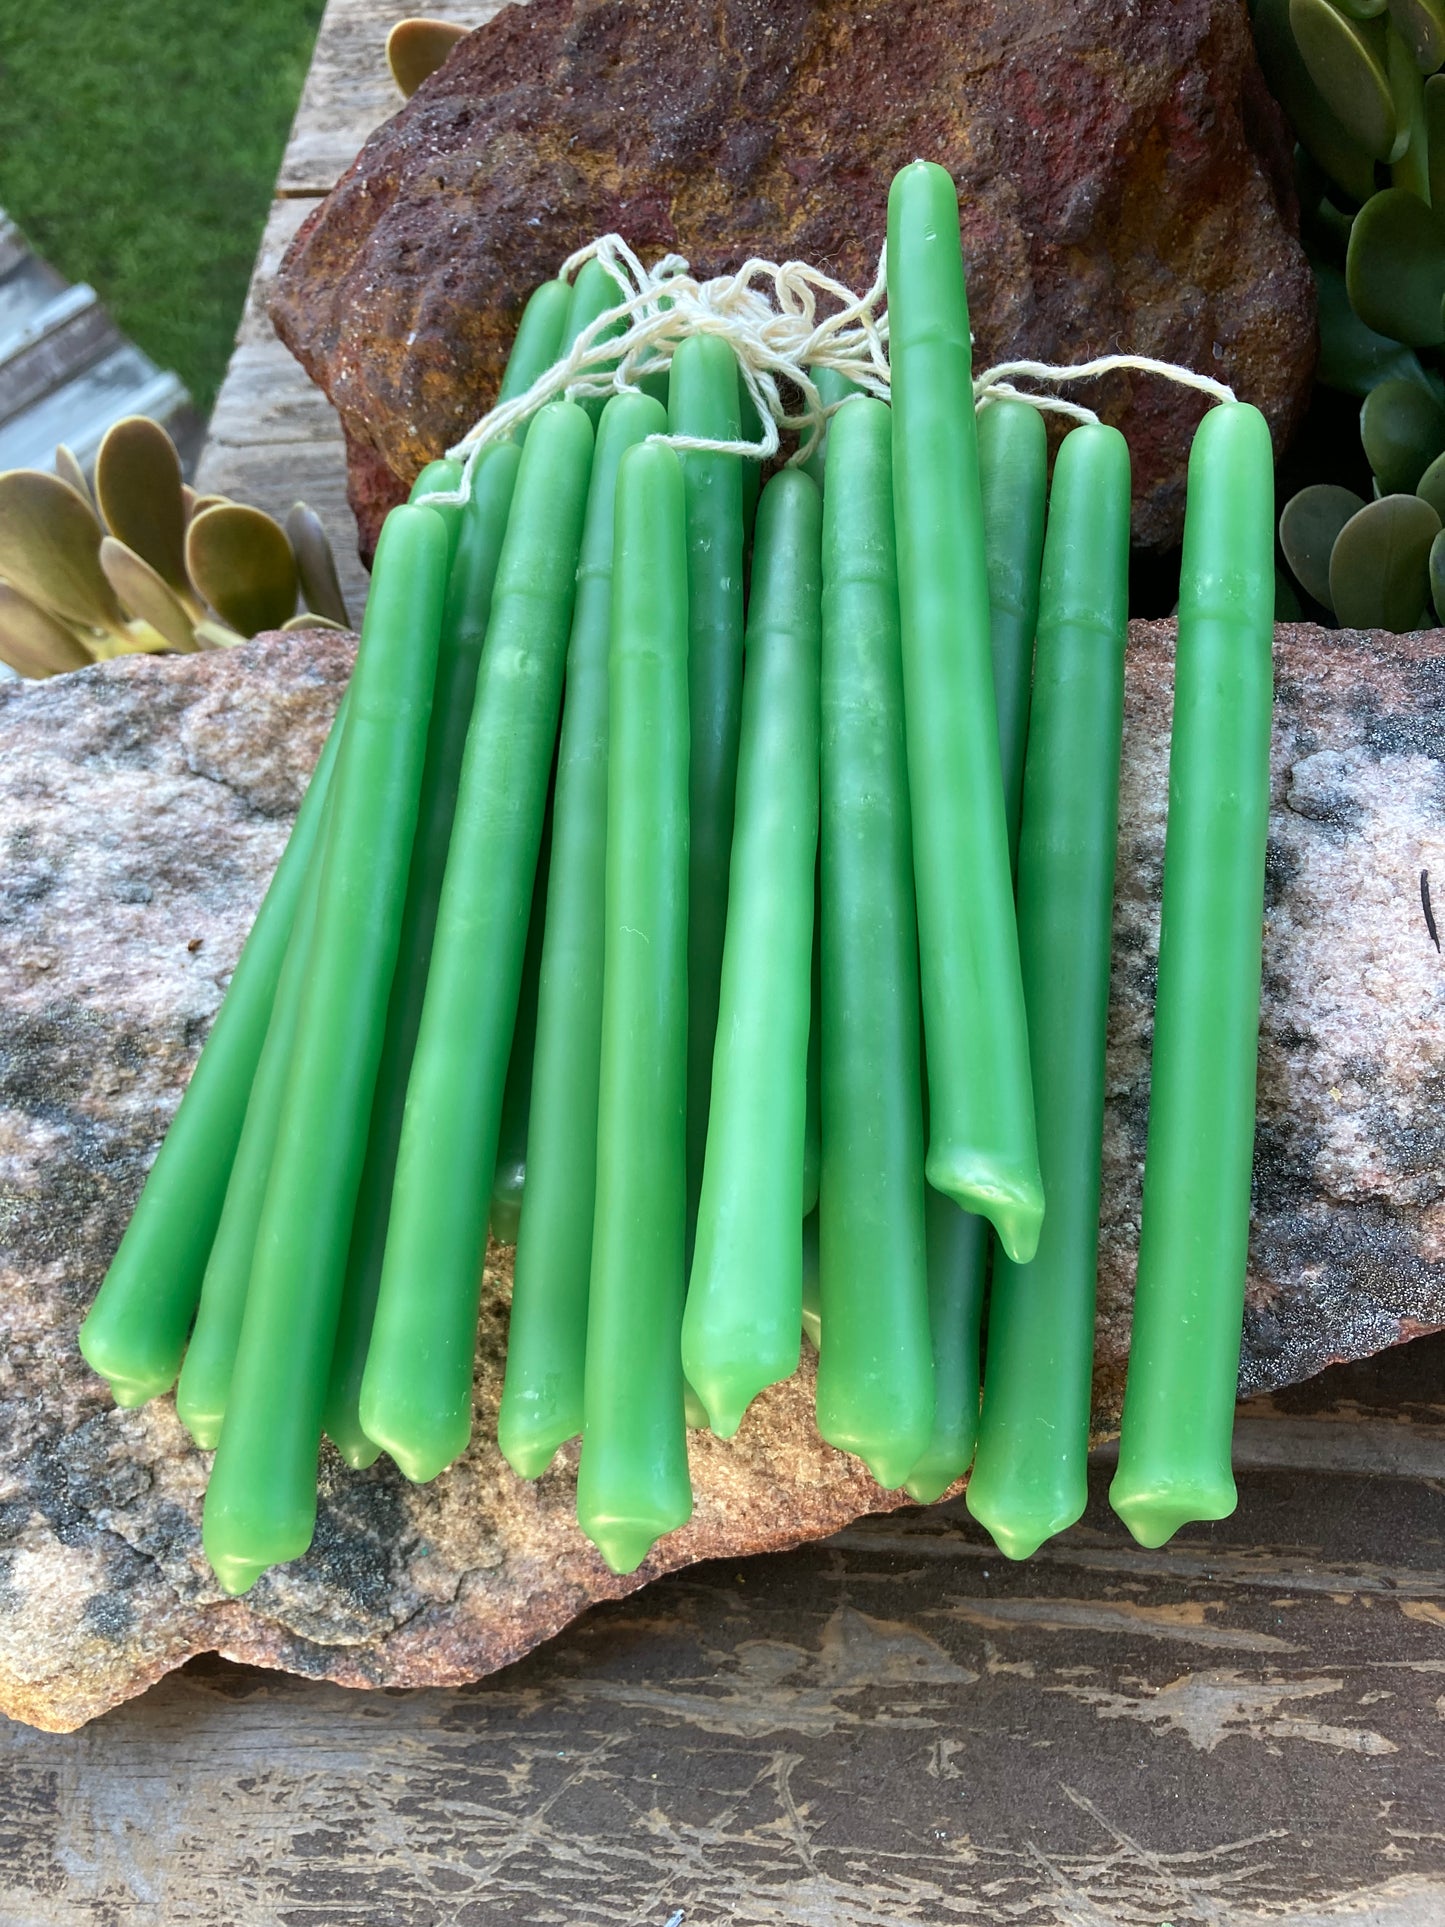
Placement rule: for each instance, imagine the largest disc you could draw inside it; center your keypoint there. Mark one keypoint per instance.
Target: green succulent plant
(137, 561)
(1361, 82)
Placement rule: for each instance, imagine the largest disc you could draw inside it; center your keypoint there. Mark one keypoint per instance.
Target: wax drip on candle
(769, 314)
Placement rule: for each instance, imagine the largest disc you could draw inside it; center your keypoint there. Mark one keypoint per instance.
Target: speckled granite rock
(143, 804)
(1124, 176)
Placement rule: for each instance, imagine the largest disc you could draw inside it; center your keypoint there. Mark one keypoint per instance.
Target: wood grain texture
(892, 1729)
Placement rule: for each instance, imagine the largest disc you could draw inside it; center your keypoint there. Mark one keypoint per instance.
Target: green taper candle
(742, 1327)
(1174, 1448)
(135, 1332)
(875, 1364)
(442, 477)
(595, 290)
(539, 339)
(703, 400)
(833, 387)
(205, 1381)
(1012, 457)
(633, 1482)
(958, 1243)
(1030, 1479)
(416, 1393)
(813, 1120)
(982, 1148)
(1013, 461)
(261, 1503)
(547, 1338)
(509, 1176)
(481, 526)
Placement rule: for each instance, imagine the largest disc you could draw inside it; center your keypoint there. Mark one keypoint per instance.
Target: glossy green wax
(593, 292)
(703, 400)
(261, 1503)
(509, 1177)
(481, 526)
(741, 1330)
(875, 1364)
(1174, 1448)
(834, 388)
(135, 1332)
(547, 1339)
(205, 1381)
(813, 1120)
(958, 1244)
(633, 1482)
(444, 476)
(1013, 460)
(982, 1147)
(1030, 1478)
(416, 1393)
(538, 342)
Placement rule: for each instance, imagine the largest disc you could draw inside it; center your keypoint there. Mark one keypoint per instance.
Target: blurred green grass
(138, 147)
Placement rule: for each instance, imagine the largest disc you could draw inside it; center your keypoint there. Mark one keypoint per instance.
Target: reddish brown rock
(145, 802)
(1123, 173)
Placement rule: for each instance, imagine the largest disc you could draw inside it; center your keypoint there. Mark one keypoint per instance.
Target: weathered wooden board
(273, 437)
(892, 1727)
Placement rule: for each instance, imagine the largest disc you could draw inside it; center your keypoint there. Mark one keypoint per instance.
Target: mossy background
(139, 141)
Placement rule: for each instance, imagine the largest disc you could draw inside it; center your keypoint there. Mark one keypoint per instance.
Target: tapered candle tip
(130, 1393)
(1154, 1515)
(235, 1575)
(422, 1442)
(528, 1454)
(623, 1543)
(1013, 1206)
(928, 1483)
(1017, 1532)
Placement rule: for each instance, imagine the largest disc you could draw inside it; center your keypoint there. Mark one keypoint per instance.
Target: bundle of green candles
(757, 947)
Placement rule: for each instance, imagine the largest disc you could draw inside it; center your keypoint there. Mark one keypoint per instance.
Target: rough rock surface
(143, 804)
(1124, 178)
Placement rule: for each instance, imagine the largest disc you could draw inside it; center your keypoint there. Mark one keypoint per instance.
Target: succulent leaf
(1380, 565)
(310, 620)
(1403, 429)
(1421, 25)
(211, 634)
(1353, 358)
(240, 560)
(144, 594)
(316, 565)
(1437, 574)
(32, 641)
(69, 470)
(49, 549)
(1316, 125)
(416, 48)
(1308, 526)
(1412, 169)
(138, 489)
(1395, 268)
(1346, 60)
(1435, 137)
(1431, 486)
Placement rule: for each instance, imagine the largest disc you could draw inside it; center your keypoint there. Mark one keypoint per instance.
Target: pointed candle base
(1154, 1513)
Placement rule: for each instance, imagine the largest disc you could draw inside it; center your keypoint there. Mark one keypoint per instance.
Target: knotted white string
(768, 313)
